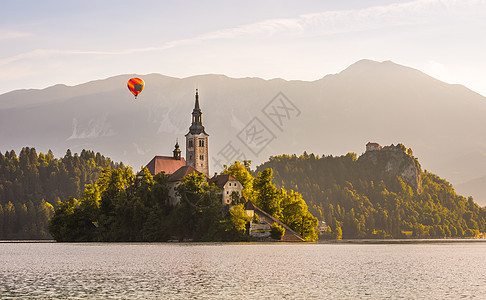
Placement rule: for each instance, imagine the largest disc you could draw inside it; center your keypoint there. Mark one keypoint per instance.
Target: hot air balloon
(135, 85)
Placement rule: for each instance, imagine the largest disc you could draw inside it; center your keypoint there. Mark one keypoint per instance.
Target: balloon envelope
(136, 85)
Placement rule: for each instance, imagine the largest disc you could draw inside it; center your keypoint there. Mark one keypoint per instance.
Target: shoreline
(328, 242)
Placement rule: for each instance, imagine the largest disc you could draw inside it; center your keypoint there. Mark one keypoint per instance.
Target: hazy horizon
(70, 43)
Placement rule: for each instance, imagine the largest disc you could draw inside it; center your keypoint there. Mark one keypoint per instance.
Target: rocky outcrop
(394, 161)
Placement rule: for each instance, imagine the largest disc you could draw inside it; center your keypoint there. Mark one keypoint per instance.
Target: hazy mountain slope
(369, 101)
(474, 187)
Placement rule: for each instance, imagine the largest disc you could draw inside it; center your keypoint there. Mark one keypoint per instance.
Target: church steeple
(177, 151)
(197, 155)
(196, 126)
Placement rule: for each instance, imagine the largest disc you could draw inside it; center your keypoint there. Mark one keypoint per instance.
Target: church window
(191, 144)
(201, 143)
(201, 157)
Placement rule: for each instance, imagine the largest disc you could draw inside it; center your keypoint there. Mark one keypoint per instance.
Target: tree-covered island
(122, 206)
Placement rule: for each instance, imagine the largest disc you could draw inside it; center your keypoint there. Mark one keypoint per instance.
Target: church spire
(197, 155)
(196, 126)
(196, 106)
(177, 151)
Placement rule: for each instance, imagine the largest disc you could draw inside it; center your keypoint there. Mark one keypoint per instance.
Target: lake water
(243, 271)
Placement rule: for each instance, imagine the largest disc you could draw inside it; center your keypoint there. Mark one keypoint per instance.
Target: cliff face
(394, 162)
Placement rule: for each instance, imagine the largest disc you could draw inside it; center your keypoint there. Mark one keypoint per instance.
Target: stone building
(174, 181)
(230, 188)
(197, 142)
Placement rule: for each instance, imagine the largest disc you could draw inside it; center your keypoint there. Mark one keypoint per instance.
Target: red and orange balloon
(136, 85)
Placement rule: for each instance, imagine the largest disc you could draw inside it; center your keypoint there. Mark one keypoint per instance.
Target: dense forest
(123, 207)
(32, 184)
(365, 198)
(88, 197)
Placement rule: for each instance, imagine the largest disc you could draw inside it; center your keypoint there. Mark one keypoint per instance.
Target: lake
(244, 271)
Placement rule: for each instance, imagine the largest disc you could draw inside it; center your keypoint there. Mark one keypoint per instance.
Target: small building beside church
(174, 181)
(230, 188)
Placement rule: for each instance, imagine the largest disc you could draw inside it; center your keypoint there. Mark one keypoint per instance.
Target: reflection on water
(245, 271)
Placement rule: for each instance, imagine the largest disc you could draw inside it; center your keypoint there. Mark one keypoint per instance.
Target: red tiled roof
(220, 180)
(168, 164)
(181, 172)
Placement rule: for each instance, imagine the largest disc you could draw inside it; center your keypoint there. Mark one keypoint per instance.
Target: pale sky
(43, 43)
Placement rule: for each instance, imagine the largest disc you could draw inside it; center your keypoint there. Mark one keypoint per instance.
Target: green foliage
(32, 183)
(236, 225)
(276, 231)
(267, 196)
(124, 207)
(200, 211)
(288, 207)
(242, 173)
(357, 199)
(338, 233)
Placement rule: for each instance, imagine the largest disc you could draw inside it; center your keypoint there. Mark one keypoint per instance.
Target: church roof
(181, 172)
(168, 164)
(289, 235)
(220, 180)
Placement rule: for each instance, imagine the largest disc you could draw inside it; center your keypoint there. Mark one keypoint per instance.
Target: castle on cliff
(377, 147)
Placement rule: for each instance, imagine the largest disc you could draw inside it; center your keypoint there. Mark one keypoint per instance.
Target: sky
(43, 43)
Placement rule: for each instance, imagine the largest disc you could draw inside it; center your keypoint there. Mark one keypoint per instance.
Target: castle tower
(197, 142)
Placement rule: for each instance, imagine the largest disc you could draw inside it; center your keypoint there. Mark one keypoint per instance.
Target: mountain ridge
(386, 102)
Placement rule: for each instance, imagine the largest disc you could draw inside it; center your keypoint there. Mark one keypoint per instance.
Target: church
(197, 160)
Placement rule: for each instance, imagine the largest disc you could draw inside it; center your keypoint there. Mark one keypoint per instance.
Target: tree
(237, 223)
(267, 196)
(276, 231)
(61, 224)
(338, 233)
(200, 212)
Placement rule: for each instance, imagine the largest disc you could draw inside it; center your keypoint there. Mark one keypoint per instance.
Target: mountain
(369, 101)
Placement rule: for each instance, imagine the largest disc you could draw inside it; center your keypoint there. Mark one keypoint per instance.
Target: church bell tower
(197, 142)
